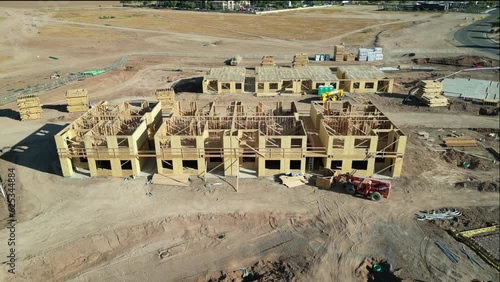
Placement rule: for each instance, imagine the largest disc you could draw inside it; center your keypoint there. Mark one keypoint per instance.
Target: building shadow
(60, 108)
(192, 84)
(37, 151)
(8, 113)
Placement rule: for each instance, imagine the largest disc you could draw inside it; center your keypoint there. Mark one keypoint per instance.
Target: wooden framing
(225, 80)
(106, 140)
(365, 79)
(231, 137)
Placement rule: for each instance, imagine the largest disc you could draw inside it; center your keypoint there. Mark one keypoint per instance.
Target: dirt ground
(71, 229)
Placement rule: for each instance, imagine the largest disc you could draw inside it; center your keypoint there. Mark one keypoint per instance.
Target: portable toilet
(321, 90)
(330, 88)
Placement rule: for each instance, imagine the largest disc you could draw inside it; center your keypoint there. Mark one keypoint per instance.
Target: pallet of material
(349, 57)
(170, 179)
(268, 61)
(77, 108)
(463, 141)
(338, 53)
(435, 101)
(31, 116)
(292, 181)
(72, 93)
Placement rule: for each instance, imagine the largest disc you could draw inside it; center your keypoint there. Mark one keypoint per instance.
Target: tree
(168, 3)
(187, 4)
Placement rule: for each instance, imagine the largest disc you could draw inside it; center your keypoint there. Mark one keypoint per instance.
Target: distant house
(223, 5)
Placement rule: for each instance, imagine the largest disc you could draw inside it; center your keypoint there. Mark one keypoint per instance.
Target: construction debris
(471, 258)
(29, 107)
(429, 92)
(292, 181)
(448, 253)
(171, 179)
(78, 100)
(439, 214)
(235, 60)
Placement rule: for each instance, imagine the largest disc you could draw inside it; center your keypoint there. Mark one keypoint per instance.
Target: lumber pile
(462, 141)
(338, 54)
(166, 97)
(299, 60)
(349, 57)
(77, 100)
(268, 61)
(29, 107)
(170, 179)
(292, 181)
(429, 92)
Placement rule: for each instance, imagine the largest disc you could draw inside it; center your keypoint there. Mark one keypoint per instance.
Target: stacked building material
(300, 60)
(77, 100)
(166, 97)
(462, 141)
(339, 51)
(429, 92)
(370, 54)
(349, 57)
(268, 61)
(29, 107)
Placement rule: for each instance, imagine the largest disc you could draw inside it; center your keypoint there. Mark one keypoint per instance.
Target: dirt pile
(459, 158)
(365, 271)
(483, 186)
(465, 61)
(280, 270)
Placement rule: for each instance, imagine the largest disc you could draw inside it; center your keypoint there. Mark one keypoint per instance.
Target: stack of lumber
(429, 92)
(338, 53)
(299, 60)
(170, 179)
(349, 57)
(292, 181)
(463, 141)
(77, 100)
(167, 97)
(268, 61)
(29, 107)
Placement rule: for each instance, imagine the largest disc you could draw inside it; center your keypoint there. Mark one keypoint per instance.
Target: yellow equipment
(335, 95)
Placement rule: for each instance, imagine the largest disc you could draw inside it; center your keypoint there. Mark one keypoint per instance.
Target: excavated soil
(466, 61)
(263, 271)
(458, 158)
(365, 272)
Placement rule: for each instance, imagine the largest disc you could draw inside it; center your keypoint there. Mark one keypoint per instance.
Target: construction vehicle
(335, 95)
(374, 189)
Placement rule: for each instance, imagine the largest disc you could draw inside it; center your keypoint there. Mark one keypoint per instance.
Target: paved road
(474, 35)
(437, 120)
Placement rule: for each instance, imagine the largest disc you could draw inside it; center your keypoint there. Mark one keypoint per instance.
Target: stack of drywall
(339, 51)
(300, 60)
(370, 54)
(268, 61)
(77, 100)
(429, 92)
(349, 57)
(166, 97)
(29, 107)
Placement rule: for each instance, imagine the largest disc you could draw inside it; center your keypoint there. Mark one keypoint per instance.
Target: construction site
(171, 145)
